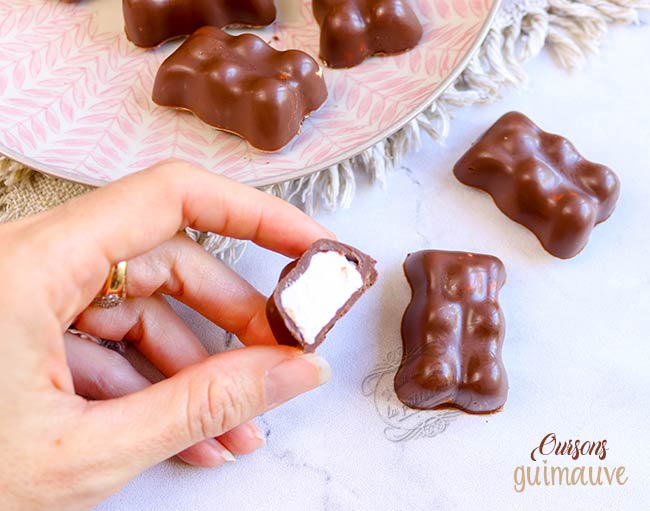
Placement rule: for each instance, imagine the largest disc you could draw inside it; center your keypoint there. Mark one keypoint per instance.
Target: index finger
(137, 213)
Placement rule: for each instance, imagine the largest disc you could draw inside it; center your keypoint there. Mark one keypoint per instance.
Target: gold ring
(114, 291)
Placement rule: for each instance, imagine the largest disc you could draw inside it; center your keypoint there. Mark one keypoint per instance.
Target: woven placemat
(570, 30)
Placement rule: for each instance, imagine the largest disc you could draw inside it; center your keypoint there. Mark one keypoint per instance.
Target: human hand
(61, 451)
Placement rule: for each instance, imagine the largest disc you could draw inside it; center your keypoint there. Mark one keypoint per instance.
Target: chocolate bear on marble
(541, 181)
(452, 333)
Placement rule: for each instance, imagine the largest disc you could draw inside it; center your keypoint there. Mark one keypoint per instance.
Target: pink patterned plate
(75, 95)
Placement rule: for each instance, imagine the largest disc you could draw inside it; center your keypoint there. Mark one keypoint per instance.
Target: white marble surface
(577, 347)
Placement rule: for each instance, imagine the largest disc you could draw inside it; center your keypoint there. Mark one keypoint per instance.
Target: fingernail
(226, 455)
(332, 235)
(218, 449)
(294, 377)
(257, 432)
(324, 369)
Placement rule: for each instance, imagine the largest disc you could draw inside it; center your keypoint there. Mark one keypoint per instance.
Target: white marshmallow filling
(316, 295)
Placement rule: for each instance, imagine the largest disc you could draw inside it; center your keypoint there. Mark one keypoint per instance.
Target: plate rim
(65, 175)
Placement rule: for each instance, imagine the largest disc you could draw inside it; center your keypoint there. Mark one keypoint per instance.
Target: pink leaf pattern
(75, 95)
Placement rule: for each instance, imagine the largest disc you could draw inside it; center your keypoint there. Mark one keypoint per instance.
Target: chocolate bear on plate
(353, 30)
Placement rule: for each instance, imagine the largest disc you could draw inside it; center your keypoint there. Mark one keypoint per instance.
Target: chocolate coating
(452, 333)
(352, 30)
(242, 85)
(283, 327)
(541, 181)
(149, 23)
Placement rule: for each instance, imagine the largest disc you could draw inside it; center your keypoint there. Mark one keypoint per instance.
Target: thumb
(202, 401)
